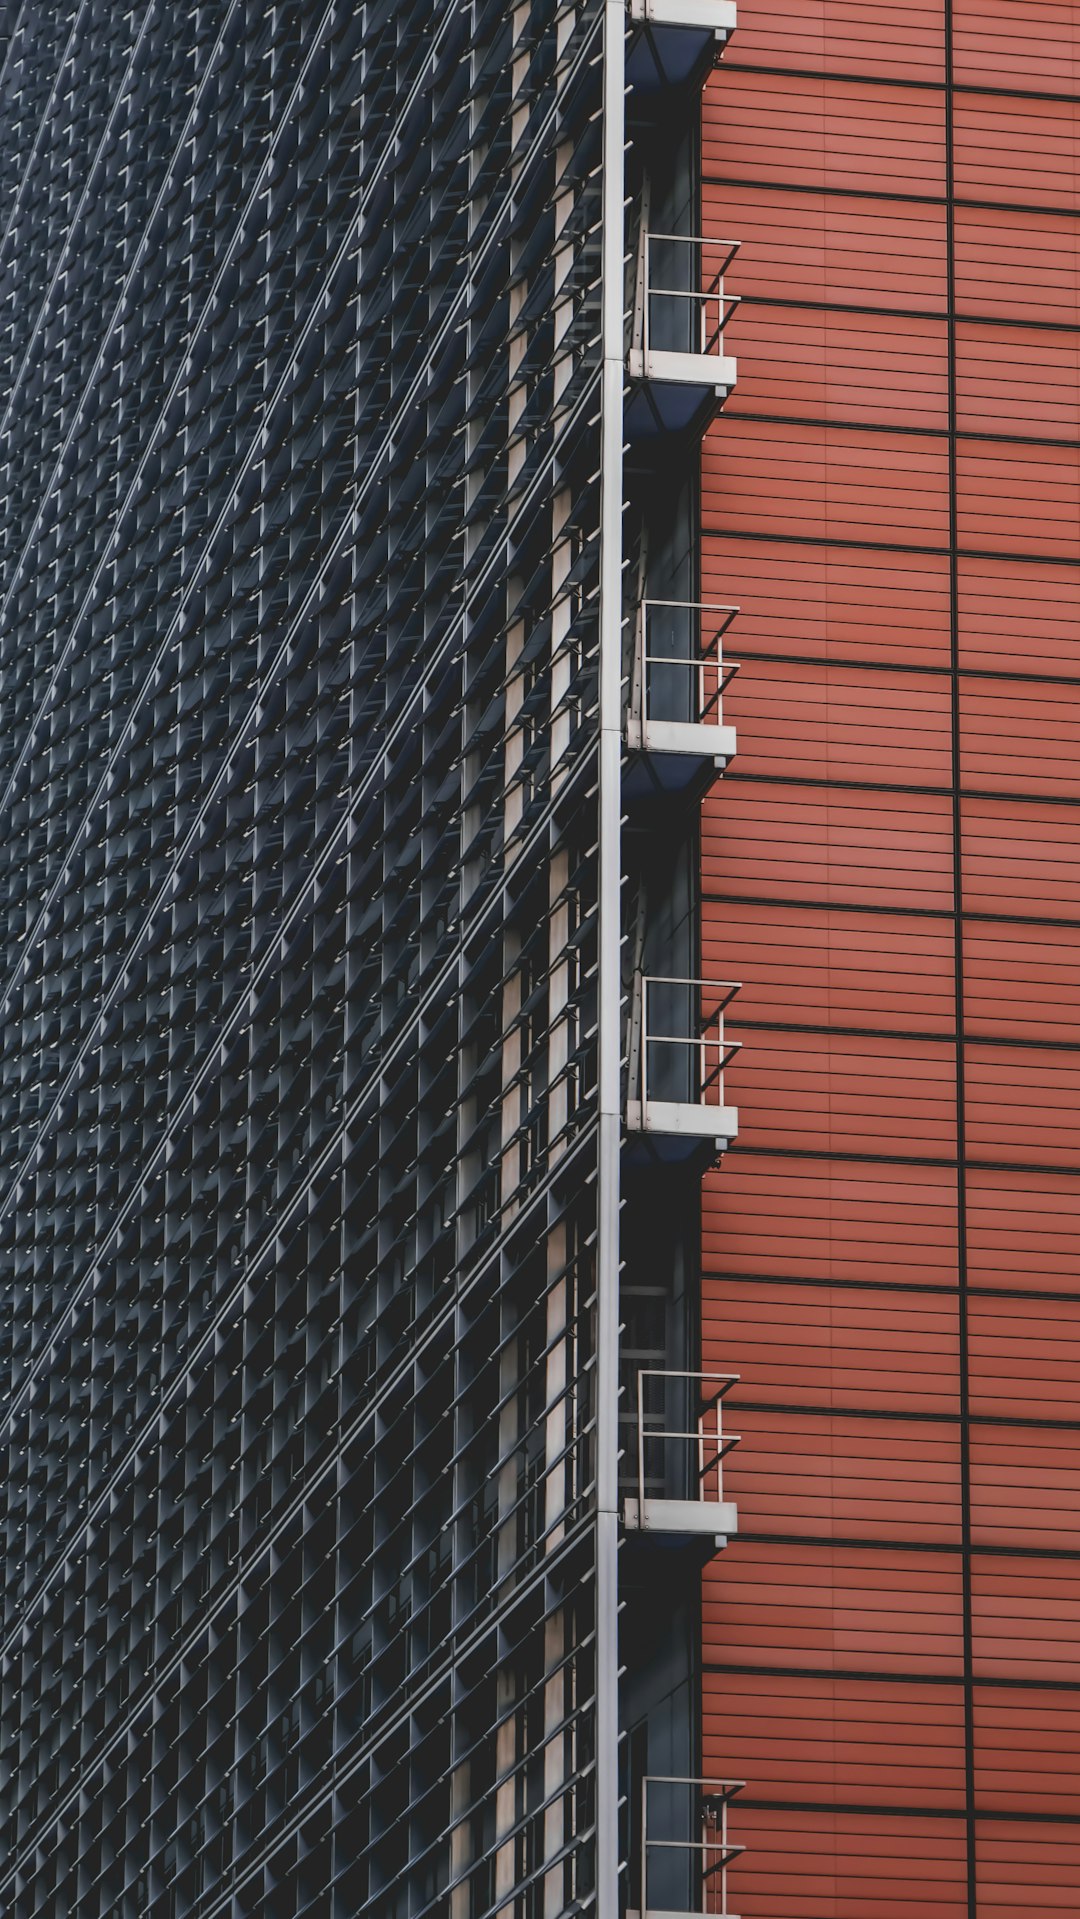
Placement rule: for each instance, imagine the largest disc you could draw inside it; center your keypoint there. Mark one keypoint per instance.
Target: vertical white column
(610, 1020)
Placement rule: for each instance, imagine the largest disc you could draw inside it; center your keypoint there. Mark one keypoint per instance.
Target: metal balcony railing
(679, 679)
(682, 311)
(686, 1848)
(682, 1052)
(681, 1449)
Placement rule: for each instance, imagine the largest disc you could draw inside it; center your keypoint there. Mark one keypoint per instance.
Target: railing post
(645, 329)
(639, 679)
(641, 1444)
(644, 1043)
(644, 1894)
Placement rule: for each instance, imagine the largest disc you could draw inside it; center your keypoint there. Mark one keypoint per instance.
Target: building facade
(891, 1649)
(469, 1049)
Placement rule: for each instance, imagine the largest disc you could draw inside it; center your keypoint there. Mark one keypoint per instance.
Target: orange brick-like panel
(1019, 499)
(1014, 379)
(851, 1347)
(1024, 1482)
(1017, 151)
(1017, 263)
(811, 483)
(807, 964)
(849, 1866)
(845, 1093)
(1028, 1869)
(806, 245)
(856, 1608)
(1024, 1229)
(1027, 1751)
(809, 1219)
(831, 847)
(799, 131)
(868, 1741)
(830, 602)
(867, 723)
(903, 42)
(1018, 737)
(838, 366)
(1024, 1353)
(801, 1475)
(1018, 616)
(1035, 44)
(1026, 1617)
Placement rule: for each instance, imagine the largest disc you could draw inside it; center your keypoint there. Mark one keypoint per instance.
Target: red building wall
(892, 866)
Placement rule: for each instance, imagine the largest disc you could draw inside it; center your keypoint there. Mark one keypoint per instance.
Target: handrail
(714, 673)
(712, 1445)
(714, 1052)
(707, 296)
(713, 1853)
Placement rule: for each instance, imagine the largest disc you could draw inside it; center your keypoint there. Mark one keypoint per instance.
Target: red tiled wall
(892, 867)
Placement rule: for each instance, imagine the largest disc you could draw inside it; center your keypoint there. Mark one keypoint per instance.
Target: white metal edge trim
(609, 984)
(696, 737)
(714, 16)
(682, 1516)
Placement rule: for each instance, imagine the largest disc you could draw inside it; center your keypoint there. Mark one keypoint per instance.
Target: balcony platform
(682, 739)
(673, 393)
(689, 1518)
(673, 1120)
(679, 37)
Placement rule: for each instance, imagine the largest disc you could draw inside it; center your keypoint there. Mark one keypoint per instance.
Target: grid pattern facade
(892, 1649)
(300, 410)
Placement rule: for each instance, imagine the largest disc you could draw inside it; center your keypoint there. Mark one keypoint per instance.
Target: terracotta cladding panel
(831, 848)
(1023, 1229)
(838, 1740)
(1025, 1488)
(1021, 857)
(1036, 45)
(823, 134)
(1026, 1618)
(1029, 1869)
(1017, 737)
(850, 1607)
(858, 251)
(905, 42)
(1022, 380)
(806, 964)
(1021, 982)
(830, 602)
(1017, 152)
(1019, 499)
(850, 1392)
(1017, 265)
(845, 722)
(1024, 1353)
(850, 1866)
(878, 1351)
(1017, 614)
(833, 483)
(1023, 1105)
(795, 362)
(1027, 1751)
(808, 1219)
(848, 1094)
(806, 1475)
